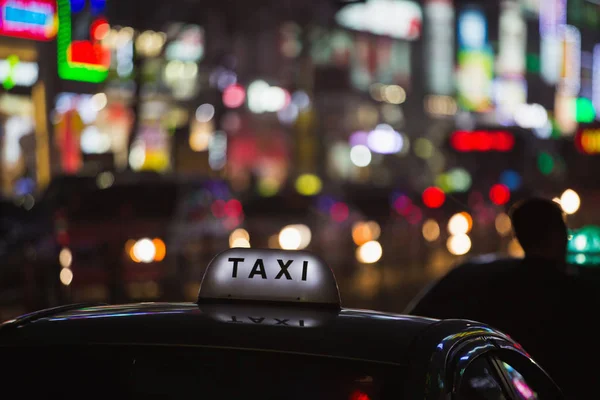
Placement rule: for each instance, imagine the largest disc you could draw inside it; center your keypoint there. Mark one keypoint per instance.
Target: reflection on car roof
(346, 333)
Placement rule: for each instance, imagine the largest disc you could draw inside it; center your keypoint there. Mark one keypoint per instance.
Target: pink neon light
(29, 19)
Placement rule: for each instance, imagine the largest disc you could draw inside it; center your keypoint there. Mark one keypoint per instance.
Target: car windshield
(174, 372)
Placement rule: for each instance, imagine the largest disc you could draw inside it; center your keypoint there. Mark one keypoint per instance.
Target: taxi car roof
(344, 333)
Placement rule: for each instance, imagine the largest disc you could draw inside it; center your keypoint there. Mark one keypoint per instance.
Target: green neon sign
(584, 246)
(72, 65)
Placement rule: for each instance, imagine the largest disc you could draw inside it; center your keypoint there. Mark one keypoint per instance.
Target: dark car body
(305, 346)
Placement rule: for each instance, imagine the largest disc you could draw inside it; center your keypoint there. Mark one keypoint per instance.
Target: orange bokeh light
(160, 249)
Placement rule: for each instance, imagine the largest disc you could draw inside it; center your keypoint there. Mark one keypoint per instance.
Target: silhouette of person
(534, 299)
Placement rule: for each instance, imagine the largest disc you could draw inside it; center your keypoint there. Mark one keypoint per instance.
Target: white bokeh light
(360, 155)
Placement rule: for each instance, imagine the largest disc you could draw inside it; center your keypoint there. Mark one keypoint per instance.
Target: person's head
(539, 225)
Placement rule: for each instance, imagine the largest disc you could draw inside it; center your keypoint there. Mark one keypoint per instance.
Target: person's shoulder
(488, 264)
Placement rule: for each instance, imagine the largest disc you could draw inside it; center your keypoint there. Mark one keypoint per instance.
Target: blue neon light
(19, 15)
(77, 6)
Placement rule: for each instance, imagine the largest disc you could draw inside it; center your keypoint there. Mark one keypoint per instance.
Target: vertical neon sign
(81, 55)
(553, 15)
(475, 62)
(596, 80)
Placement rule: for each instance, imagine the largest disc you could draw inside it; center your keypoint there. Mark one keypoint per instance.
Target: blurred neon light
(596, 79)
(588, 141)
(18, 73)
(482, 141)
(399, 19)
(570, 75)
(552, 17)
(29, 19)
(81, 60)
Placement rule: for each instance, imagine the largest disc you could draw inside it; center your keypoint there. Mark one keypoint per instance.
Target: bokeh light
(308, 184)
(460, 224)
(570, 201)
(65, 258)
(515, 249)
(360, 155)
(434, 197)
(369, 252)
(503, 224)
(431, 230)
(239, 233)
(295, 237)
(499, 194)
(459, 244)
(66, 276)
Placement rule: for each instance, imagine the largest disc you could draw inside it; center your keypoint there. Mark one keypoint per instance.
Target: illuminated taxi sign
(269, 275)
(587, 140)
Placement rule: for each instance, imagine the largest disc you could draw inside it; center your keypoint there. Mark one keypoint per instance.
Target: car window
(518, 383)
(480, 381)
(183, 372)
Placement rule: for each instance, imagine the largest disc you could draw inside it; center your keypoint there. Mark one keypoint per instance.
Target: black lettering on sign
(301, 322)
(235, 262)
(304, 270)
(257, 320)
(284, 270)
(258, 269)
(281, 321)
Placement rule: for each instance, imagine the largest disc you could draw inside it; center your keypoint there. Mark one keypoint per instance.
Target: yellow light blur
(66, 276)
(459, 244)
(239, 233)
(503, 224)
(394, 94)
(308, 184)
(65, 257)
(200, 140)
(431, 230)
(570, 201)
(240, 243)
(460, 224)
(515, 249)
(295, 237)
(160, 249)
(369, 252)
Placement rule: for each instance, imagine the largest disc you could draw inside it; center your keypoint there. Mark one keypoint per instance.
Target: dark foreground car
(268, 325)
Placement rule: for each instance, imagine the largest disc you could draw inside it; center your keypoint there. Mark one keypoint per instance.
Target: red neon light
(482, 141)
(90, 52)
(29, 19)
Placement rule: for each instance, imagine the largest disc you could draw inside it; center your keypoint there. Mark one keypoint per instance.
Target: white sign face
(22, 73)
(269, 275)
(513, 41)
(399, 19)
(439, 36)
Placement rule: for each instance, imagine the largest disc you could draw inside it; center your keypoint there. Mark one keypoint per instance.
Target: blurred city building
(396, 132)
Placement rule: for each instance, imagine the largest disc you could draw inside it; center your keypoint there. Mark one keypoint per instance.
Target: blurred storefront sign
(68, 130)
(29, 19)
(482, 141)
(81, 54)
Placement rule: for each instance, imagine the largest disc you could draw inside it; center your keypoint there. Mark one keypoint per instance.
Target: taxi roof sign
(270, 276)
